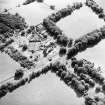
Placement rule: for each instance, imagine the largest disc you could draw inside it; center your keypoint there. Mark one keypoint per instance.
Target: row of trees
(87, 41)
(18, 57)
(69, 79)
(9, 87)
(96, 8)
(88, 75)
(78, 69)
(86, 71)
(28, 2)
(55, 17)
(75, 6)
(55, 32)
(52, 7)
(31, 1)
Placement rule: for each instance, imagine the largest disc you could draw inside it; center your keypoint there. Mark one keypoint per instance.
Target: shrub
(18, 74)
(98, 89)
(62, 40)
(62, 51)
